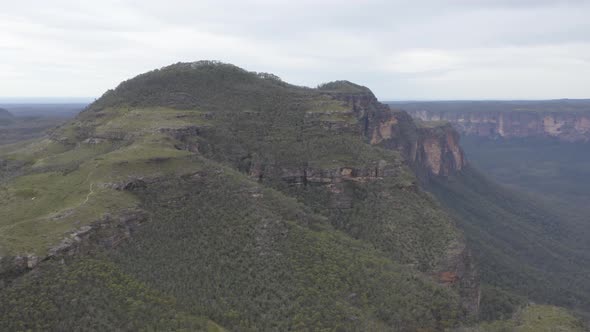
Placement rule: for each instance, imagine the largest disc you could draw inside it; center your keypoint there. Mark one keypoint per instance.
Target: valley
(19, 122)
(542, 189)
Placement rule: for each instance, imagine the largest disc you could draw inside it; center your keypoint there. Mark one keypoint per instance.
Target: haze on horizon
(423, 51)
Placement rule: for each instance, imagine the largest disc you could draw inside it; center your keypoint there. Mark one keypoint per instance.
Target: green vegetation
(39, 209)
(534, 318)
(389, 213)
(554, 169)
(66, 186)
(343, 87)
(497, 304)
(93, 295)
(253, 259)
(521, 245)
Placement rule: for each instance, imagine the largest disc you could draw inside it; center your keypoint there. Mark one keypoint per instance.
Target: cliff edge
(569, 125)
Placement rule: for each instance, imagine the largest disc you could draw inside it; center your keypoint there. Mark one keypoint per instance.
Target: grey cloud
(401, 49)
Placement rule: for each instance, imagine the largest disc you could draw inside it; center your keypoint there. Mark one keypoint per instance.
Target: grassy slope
(67, 181)
(534, 318)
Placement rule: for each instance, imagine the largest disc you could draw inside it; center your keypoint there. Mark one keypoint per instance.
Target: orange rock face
(448, 277)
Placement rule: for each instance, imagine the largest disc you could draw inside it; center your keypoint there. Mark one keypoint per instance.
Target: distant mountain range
(564, 119)
(46, 100)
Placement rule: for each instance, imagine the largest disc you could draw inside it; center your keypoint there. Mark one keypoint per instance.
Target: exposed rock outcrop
(563, 125)
(106, 232)
(438, 151)
(431, 151)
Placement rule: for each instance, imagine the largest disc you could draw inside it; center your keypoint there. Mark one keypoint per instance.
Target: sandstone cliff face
(438, 150)
(565, 126)
(431, 151)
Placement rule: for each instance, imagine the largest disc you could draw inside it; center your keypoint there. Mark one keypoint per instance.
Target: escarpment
(568, 126)
(430, 150)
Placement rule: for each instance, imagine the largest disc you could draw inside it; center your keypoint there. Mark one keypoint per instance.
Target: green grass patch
(144, 121)
(40, 209)
(536, 318)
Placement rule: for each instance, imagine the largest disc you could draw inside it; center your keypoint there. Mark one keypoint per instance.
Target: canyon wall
(430, 150)
(562, 125)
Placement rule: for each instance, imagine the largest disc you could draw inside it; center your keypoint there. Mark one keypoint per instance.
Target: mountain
(565, 120)
(201, 196)
(4, 113)
(5, 117)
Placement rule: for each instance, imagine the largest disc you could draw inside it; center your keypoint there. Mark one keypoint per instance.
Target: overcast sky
(513, 49)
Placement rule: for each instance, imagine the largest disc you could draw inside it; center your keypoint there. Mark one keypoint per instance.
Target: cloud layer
(426, 50)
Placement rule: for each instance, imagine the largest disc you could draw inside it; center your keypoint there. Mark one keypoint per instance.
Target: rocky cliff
(565, 126)
(430, 150)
